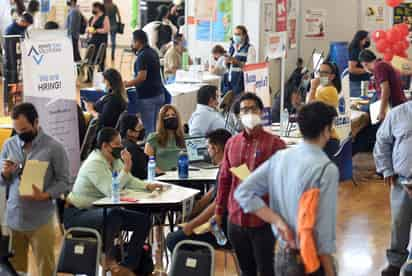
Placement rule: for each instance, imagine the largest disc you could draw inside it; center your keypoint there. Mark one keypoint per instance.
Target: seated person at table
(205, 207)
(173, 56)
(218, 66)
(109, 107)
(292, 102)
(167, 142)
(132, 131)
(206, 118)
(326, 89)
(94, 182)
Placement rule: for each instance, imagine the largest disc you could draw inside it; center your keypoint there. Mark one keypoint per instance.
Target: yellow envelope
(241, 172)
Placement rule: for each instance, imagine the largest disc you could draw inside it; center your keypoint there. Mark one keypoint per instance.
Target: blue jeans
(113, 43)
(149, 109)
(355, 88)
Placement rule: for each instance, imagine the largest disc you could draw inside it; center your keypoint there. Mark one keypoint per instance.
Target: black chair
(80, 252)
(99, 58)
(85, 67)
(89, 139)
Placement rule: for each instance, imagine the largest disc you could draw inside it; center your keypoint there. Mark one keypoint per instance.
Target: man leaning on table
(393, 158)
(31, 217)
(252, 238)
(302, 184)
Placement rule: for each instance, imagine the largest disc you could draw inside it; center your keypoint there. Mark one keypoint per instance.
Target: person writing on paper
(326, 89)
(393, 158)
(251, 238)
(30, 217)
(166, 143)
(302, 184)
(94, 182)
(241, 52)
(206, 118)
(388, 82)
(204, 209)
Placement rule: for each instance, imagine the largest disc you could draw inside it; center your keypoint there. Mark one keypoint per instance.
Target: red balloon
(378, 35)
(393, 3)
(393, 35)
(403, 29)
(388, 56)
(405, 44)
(382, 45)
(404, 55)
(398, 48)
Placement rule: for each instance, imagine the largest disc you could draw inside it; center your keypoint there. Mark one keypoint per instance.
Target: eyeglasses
(324, 73)
(249, 109)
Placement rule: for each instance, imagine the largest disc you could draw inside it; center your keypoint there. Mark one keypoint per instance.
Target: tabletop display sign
(276, 45)
(343, 121)
(50, 84)
(257, 81)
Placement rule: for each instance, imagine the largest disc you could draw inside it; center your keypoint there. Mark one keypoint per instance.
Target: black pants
(254, 249)
(76, 51)
(117, 220)
(332, 148)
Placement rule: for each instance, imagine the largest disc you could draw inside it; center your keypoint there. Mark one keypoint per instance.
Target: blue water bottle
(218, 233)
(115, 187)
(151, 169)
(183, 165)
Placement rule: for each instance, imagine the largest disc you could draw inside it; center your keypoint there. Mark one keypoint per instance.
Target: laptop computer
(197, 153)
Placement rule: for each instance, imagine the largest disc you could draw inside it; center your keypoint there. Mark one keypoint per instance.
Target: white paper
(33, 174)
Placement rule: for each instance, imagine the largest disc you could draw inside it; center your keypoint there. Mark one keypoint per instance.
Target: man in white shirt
(206, 118)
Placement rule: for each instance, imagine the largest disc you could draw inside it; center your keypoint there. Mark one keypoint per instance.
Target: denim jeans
(117, 220)
(355, 88)
(253, 248)
(113, 43)
(149, 109)
(401, 211)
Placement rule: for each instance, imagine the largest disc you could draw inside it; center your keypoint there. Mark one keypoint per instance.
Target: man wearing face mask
(132, 131)
(241, 52)
(251, 238)
(173, 56)
(148, 81)
(94, 182)
(206, 118)
(31, 217)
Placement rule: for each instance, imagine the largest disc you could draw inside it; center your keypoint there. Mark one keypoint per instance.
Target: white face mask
(324, 81)
(251, 121)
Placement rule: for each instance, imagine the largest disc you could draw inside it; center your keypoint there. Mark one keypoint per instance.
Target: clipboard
(33, 174)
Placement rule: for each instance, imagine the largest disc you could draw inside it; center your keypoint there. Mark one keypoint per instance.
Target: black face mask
(142, 134)
(171, 123)
(367, 44)
(117, 152)
(27, 137)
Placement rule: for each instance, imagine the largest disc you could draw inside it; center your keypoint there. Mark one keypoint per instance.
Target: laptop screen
(197, 148)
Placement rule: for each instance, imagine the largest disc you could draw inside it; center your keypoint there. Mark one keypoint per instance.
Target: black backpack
(83, 24)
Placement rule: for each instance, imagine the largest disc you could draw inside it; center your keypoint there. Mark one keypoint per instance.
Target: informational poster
(403, 14)
(292, 25)
(51, 87)
(257, 81)
(219, 26)
(276, 45)
(315, 24)
(281, 15)
(269, 17)
(205, 10)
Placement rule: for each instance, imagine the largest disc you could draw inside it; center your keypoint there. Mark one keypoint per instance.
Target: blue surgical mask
(237, 39)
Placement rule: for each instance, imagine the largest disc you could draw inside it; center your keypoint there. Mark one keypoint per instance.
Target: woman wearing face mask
(114, 103)
(168, 140)
(99, 28)
(326, 89)
(132, 131)
(241, 52)
(94, 182)
(357, 73)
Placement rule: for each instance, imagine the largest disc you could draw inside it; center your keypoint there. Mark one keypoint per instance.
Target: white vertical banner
(50, 84)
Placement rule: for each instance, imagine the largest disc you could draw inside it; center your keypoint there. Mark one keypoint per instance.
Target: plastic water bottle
(151, 169)
(115, 187)
(218, 233)
(284, 121)
(183, 165)
(185, 61)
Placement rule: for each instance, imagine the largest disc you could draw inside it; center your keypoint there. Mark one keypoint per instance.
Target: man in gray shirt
(73, 22)
(393, 158)
(30, 218)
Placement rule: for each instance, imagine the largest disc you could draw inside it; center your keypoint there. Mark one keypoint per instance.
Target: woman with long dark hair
(114, 103)
(326, 89)
(99, 28)
(357, 74)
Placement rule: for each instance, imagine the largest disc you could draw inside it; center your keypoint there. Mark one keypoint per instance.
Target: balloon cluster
(394, 3)
(393, 42)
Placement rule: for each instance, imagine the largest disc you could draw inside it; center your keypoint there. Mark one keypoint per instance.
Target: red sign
(281, 15)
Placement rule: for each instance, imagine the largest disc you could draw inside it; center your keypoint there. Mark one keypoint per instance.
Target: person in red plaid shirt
(251, 238)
